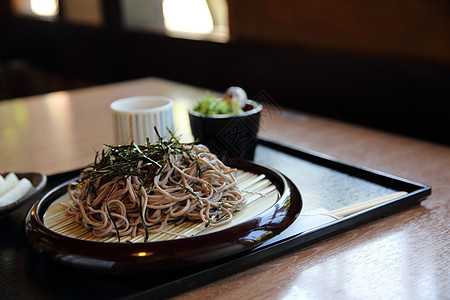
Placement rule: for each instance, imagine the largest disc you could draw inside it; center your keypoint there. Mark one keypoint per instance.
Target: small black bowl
(228, 135)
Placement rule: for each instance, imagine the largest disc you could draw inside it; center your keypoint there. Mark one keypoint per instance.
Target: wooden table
(403, 256)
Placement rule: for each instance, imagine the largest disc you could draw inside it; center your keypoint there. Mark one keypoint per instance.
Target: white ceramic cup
(134, 119)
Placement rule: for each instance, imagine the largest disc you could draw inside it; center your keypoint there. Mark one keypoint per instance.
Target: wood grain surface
(403, 256)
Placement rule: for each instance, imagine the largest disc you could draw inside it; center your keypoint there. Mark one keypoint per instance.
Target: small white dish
(38, 181)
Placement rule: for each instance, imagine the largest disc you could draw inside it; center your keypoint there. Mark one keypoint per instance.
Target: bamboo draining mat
(259, 192)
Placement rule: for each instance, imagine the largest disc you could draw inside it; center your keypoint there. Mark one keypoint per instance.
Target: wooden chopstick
(355, 208)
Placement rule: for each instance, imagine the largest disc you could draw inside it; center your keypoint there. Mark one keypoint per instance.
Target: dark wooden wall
(378, 83)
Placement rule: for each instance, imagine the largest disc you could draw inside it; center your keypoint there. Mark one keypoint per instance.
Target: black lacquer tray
(325, 183)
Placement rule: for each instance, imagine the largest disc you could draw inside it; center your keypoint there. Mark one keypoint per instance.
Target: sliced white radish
(10, 182)
(20, 190)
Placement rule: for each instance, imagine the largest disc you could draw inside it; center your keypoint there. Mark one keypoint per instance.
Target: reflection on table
(401, 256)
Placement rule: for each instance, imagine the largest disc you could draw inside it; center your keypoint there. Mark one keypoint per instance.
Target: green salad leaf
(210, 105)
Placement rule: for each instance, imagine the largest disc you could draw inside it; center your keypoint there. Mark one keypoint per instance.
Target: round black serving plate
(168, 254)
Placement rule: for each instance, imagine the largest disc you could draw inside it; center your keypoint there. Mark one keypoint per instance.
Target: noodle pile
(165, 183)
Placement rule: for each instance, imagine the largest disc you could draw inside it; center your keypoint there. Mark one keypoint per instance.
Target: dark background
(394, 77)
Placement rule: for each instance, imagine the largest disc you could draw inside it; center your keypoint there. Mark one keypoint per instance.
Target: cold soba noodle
(135, 189)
